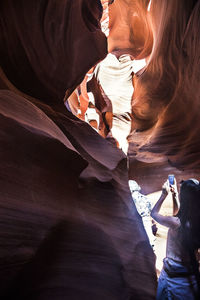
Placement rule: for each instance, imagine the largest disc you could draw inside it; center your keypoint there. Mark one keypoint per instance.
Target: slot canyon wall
(69, 227)
(164, 135)
(166, 101)
(161, 130)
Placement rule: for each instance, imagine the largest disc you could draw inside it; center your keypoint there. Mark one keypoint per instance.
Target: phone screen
(171, 179)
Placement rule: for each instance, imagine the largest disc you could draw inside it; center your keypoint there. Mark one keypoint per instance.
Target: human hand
(166, 188)
(173, 187)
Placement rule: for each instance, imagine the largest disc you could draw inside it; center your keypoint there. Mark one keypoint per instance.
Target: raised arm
(168, 221)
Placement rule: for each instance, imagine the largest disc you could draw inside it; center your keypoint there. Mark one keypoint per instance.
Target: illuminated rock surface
(166, 107)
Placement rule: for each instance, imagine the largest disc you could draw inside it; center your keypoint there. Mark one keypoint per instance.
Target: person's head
(189, 212)
(189, 195)
(133, 186)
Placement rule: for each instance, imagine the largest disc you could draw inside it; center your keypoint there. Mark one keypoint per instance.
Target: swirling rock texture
(164, 135)
(129, 38)
(69, 228)
(165, 104)
(129, 28)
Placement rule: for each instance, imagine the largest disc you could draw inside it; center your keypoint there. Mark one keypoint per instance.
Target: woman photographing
(179, 278)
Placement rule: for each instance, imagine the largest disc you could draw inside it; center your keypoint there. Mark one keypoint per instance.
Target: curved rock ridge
(165, 105)
(46, 189)
(129, 28)
(44, 59)
(164, 91)
(165, 100)
(69, 227)
(105, 104)
(104, 98)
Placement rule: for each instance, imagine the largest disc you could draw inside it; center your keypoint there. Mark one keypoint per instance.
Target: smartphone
(171, 179)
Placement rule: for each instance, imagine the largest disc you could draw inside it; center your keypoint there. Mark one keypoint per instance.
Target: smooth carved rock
(129, 30)
(43, 58)
(165, 105)
(69, 227)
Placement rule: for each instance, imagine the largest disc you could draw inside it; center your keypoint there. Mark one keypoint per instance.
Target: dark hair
(189, 213)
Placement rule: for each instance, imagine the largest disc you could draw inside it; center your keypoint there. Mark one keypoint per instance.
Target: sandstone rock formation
(69, 227)
(165, 105)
